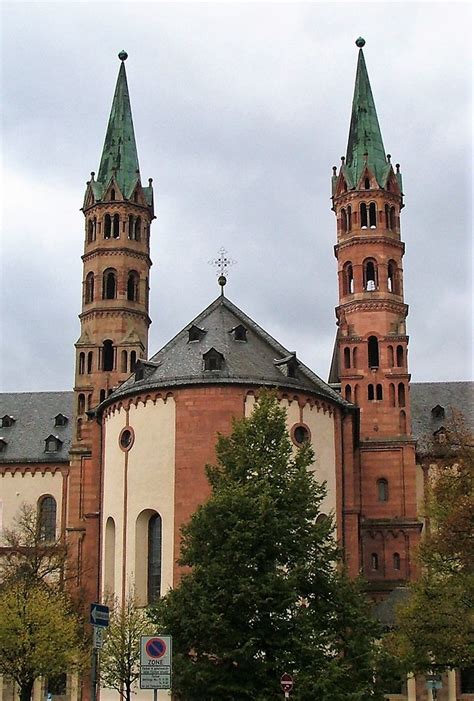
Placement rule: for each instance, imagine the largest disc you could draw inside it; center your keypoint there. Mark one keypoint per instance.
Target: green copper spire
(365, 144)
(119, 156)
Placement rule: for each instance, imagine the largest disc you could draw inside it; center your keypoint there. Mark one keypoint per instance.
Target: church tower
(370, 361)
(118, 212)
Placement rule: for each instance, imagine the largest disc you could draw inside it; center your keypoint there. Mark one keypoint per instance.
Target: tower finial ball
(360, 42)
(123, 55)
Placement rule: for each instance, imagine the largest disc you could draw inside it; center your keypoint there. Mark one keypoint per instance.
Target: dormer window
(213, 360)
(239, 332)
(437, 412)
(139, 372)
(60, 420)
(3, 445)
(288, 365)
(52, 444)
(7, 421)
(195, 333)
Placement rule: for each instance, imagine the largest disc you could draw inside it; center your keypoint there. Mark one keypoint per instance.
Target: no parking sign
(155, 662)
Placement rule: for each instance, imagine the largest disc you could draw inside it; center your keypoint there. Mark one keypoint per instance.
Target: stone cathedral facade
(117, 465)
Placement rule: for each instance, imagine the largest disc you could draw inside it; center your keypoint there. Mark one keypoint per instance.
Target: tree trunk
(26, 689)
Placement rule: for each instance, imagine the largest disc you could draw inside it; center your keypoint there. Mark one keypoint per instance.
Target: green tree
(40, 632)
(120, 655)
(265, 594)
(435, 629)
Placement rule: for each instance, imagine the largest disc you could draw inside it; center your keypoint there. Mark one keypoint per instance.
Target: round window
(126, 438)
(300, 434)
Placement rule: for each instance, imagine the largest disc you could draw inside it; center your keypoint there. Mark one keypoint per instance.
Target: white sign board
(98, 639)
(155, 662)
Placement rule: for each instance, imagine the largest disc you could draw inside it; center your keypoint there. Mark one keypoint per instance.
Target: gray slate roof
(180, 362)
(34, 414)
(425, 396)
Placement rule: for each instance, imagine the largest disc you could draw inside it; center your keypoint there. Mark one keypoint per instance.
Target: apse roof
(34, 417)
(257, 360)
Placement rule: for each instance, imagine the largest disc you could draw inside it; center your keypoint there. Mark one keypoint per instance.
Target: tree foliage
(40, 632)
(265, 594)
(436, 626)
(120, 655)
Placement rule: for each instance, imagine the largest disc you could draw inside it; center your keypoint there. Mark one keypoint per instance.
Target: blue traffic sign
(99, 615)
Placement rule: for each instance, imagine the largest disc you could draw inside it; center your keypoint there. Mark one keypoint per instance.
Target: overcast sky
(240, 112)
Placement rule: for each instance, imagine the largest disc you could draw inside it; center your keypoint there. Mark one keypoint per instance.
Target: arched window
(374, 561)
(123, 362)
(89, 288)
(370, 275)
(391, 394)
(401, 394)
(387, 216)
(379, 392)
(133, 360)
(367, 184)
(370, 393)
(107, 226)
(372, 215)
(135, 196)
(349, 218)
(382, 490)
(81, 404)
(392, 218)
(390, 356)
(348, 279)
(47, 518)
(90, 356)
(392, 277)
(363, 215)
(348, 393)
(90, 230)
(402, 422)
(347, 357)
(82, 359)
(116, 232)
(373, 351)
(132, 286)
(112, 194)
(400, 362)
(138, 228)
(131, 226)
(154, 558)
(355, 354)
(108, 355)
(344, 219)
(109, 559)
(109, 286)
(396, 561)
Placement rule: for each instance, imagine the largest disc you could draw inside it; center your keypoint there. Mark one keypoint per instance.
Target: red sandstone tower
(118, 212)
(370, 361)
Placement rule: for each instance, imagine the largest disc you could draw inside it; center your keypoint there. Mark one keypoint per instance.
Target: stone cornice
(122, 251)
(116, 312)
(33, 469)
(374, 305)
(118, 206)
(364, 239)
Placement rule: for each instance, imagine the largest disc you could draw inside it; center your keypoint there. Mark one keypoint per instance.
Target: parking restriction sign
(155, 662)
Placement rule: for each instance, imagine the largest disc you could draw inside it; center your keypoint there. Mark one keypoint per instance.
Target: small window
(47, 518)
(400, 358)
(374, 561)
(344, 220)
(373, 351)
(7, 421)
(195, 333)
(391, 394)
(213, 360)
(379, 392)
(108, 355)
(116, 227)
(112, 194)
(370, 393)
(60, 420)
(81, 404)
(126, 438)
(348, 393)
(154, 558)
(401, 394)
(372, 216)
(348, 279)
(107, 226)
(133, 286)
(133, 360)
(437, 412)
(300, 434)
(349, 219)
(367, 184)
(382, 490)
(89, 362)
(347, 358)
(138, 229)
(109, 289)
(52, 444)
(89, 288)
(82, 360)
(239, 332)
(396, 561)
(391, 362)
(370, 275)
(363, 215)
(123, 361)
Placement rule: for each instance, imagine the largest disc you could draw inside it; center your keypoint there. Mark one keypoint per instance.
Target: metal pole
(94, 675)
(155, 694)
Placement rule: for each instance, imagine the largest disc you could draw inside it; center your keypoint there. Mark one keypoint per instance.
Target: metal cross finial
(222, 264)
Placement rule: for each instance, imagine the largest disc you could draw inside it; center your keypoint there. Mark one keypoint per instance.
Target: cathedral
(117, 464)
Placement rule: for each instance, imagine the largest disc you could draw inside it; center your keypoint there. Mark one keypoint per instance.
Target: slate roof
(425, 396)
(254, 361)
(34, 414)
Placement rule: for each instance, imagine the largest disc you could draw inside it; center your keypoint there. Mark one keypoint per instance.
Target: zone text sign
(155, 662)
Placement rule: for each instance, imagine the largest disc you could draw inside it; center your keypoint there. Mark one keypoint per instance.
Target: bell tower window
(382, 490)
(392, 278)
(372, 215)
(344, 219)
(400, 357)
(348, 279)
(373, 351)
(89, 362)
(401, 394)
(370, 275)
(112, 194)
(347, 357)
(132, 286)
(108, 354)
(367, 184)
(138, 228)
(363, 215)
(89, 288)
(109, 290)
(116, 229)
(107, 226)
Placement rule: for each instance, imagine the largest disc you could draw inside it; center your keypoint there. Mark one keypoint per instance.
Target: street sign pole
(94, 675)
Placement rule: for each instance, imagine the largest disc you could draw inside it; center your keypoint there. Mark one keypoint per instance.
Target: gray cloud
(240, 111)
